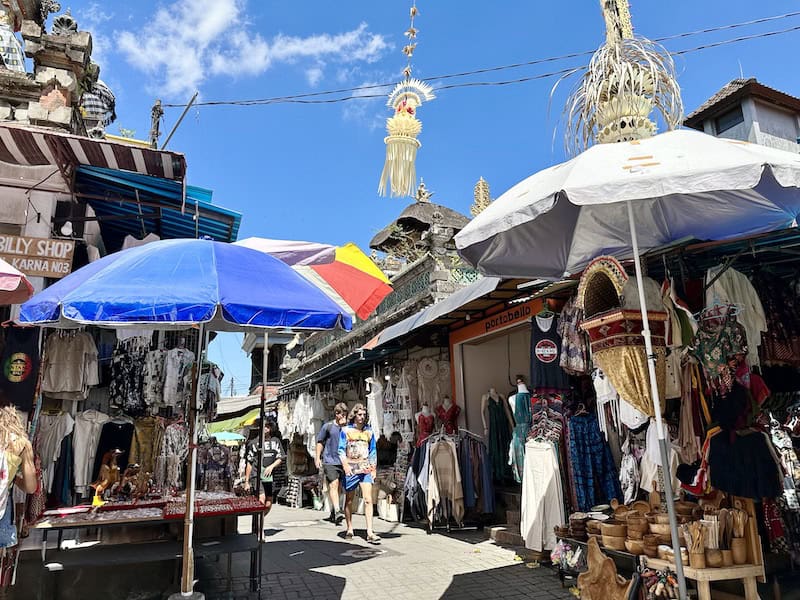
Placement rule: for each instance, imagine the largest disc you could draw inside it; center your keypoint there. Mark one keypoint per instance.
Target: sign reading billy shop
(38, 256)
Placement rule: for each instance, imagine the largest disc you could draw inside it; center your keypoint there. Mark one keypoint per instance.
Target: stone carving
(423, 195)
(48, 7)
(482, 198)
(65, 24)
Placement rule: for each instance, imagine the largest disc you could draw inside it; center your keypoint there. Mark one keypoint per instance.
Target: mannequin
(522, 416)
(522, 388)
(497, 427)
(375, 404)
(448, 413)
(424, 421)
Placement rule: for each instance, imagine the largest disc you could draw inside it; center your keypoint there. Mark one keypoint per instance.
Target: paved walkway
(306, 557)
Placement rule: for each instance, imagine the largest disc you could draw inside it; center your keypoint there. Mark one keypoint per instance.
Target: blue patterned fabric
(596, 480)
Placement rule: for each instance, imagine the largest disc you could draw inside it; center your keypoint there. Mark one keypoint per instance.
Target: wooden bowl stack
(577, 526)
(638, 527)
(614, 535)
(650, 545)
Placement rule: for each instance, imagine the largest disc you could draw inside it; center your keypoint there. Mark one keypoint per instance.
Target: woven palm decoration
(628, 77)
(399, 176)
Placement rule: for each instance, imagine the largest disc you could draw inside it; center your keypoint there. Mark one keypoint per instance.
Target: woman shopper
(359, 457)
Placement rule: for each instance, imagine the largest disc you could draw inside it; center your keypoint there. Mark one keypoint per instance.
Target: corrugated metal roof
(132, 204)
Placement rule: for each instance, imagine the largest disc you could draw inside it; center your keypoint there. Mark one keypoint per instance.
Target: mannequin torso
(424, 420)
(448, 413)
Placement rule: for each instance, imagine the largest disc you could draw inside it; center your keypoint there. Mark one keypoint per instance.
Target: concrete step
(513, 517)
(506, 534)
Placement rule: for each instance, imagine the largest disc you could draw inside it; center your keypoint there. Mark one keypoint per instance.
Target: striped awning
(32, 146)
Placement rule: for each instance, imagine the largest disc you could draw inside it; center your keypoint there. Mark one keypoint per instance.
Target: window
(729, 119)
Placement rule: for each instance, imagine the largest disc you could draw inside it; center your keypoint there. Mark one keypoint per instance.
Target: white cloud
(368, 112)
(314, 75)
(92, 19)
(181, 47)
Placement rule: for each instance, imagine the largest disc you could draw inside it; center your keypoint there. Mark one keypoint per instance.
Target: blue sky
(310, 171)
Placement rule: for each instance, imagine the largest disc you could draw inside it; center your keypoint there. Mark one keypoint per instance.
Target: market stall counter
(161, 543)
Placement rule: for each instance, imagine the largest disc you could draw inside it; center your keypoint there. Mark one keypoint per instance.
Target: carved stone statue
(423, 195)
(65, 24)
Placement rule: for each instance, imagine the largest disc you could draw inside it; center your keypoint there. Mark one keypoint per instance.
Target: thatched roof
(420, 216)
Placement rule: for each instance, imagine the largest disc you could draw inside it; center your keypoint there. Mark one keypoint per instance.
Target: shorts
(267, 487)
(351, 482)
(333, 472)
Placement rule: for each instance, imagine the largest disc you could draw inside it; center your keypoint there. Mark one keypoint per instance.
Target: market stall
(168, 286)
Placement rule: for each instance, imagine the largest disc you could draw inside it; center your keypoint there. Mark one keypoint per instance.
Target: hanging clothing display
(448, 417)
(499, 437)
(629, 476)
(428, 382)
(177, 376)
(424, 427)
(70, 365)
(542, 504)
(215, 468)
(574, 357)
(596, 478)
(52, 429)
(375, 403)
(20, 366)
(729, 286)
(522, 420)
(716, 342)
(444, 491)
(148, 434)
(88, 425)
(153, 390)
(169, 463)
(780, 343)
(125, 390)
(547, 376)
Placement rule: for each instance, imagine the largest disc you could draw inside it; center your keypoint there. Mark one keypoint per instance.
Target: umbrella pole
(662, 441)
(187, 578)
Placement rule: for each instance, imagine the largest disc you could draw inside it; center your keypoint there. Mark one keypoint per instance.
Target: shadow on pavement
(516, 581)
(287, 570)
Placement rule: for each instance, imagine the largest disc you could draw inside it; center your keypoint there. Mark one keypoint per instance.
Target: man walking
(327, 457)
(359, 457)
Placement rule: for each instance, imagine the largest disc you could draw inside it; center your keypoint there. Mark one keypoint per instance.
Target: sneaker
(338, 517)
(348, 535)
(373, 538)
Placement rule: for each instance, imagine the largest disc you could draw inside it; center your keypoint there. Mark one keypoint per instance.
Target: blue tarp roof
(113, 196)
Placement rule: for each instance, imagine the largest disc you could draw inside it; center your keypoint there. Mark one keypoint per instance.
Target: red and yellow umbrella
(344, 273)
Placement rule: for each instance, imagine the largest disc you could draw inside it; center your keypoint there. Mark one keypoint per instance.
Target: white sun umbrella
(677, 184)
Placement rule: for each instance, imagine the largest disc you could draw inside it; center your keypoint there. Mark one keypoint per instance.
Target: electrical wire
(304, 98)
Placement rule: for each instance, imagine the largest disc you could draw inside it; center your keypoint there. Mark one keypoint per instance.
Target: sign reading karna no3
(38, 256)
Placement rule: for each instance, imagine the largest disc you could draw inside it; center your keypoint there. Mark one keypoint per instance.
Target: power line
(305, 98)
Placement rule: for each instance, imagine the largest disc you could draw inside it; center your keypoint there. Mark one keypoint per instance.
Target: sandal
(374, 538)
(348, 535)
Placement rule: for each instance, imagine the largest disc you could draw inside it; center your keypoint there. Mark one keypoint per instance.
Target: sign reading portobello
(38, 256)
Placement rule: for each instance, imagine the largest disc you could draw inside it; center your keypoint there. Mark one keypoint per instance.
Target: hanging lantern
(399, 170)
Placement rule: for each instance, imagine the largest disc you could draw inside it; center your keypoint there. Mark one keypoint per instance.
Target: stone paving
(307, 557)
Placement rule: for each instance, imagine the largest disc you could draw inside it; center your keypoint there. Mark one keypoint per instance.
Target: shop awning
(134, 204)
(236, 423)
(32, 146)
(428, 315)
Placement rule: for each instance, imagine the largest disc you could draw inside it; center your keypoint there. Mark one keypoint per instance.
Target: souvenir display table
(213, 509)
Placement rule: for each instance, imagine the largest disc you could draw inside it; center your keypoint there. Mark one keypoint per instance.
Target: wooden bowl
(659, 518)
(635, 519)
(634, 547)
(593, 526)
(641, 506)
(614, 529)
(650, 539)
(660, 528)
(614, 542)
(645, 528)
(635, 535)
(650, 551)
(683, 507)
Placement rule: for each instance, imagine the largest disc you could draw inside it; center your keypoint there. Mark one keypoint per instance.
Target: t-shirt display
(547, 376)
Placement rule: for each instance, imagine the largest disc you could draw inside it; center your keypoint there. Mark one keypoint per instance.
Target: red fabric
(424, 428)
(449, 417)
(362, 292)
